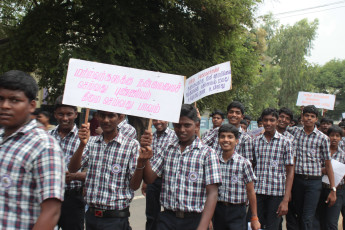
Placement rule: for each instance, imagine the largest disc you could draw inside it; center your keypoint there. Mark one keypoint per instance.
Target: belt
(328, 186)
(109, 213)
(308, 177)
(182, 214)
(230, 204)
(74, 192)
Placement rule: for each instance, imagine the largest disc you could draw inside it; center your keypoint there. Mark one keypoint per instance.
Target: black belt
(328, 186)
(230, 204)
(109, 213)
(182, 214)
(74, 192)
(308, 177)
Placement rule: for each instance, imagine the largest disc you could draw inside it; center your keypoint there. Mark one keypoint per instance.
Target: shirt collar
(119, 138)
(74, 130)
(195, 144)
(234, 157)
(122, 123)
(276, 135)
(22, 130)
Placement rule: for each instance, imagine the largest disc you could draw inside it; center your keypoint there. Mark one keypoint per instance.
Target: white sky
(329, 43)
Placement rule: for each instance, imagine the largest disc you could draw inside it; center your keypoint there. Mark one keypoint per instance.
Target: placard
(213, 80)
(124, 90)
(320, 100)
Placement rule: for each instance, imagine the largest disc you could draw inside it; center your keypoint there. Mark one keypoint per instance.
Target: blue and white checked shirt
(165, 138)
(127, 130)
(237, 172)
(271, 159)
(243, 147)
(110, 169)
(32, 170)
(310, 151)
(341, 144)
(185, 175)
(69, 144)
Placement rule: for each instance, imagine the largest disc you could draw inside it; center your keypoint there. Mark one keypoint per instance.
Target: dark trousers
(72, 211)
(168, 221)
(229, 217)
(305, 195)
(328, 217)
(153, 205)
(267, 207)
(101, 223)
(291, 217)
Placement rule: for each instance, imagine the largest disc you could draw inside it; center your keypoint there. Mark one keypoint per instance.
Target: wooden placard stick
(149, 126)
(198, 131)
(87, 112)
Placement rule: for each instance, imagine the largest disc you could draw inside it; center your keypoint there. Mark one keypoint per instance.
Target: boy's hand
(145, 153)
(84, 133)
(332, 197)
(283, 208)
(255, 225)
(146, 139)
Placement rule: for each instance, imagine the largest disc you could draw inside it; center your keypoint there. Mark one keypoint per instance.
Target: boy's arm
(283, 206)
(210, 205)
(75, 161)
(145, 153)
(332, 197)
(255, 224)
(49, 216)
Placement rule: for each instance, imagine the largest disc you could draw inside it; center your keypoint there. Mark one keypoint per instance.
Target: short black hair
(335, 129)
(19, 80)
(259, 120)
(236, 104)
(269, 111)
(190, 112)
(244, 122)
(45, 113)
(311, 109)
(219, 112)
(326, 120)
(229, 128)
(247, 117)
(287, 111)
(58, 104)
(341, 124)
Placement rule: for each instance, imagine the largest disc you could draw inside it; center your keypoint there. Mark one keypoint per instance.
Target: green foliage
(173, 36)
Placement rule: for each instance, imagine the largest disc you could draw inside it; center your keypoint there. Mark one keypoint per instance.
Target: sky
(330, 39)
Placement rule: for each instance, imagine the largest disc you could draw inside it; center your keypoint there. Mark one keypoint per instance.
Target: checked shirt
(243, 147)
(165, 138)
(271, 159)
(342, 144)
(110, 169)
(237, 172)
(69, 144)
(127, 130)
(185, 175)
(339, 156)
(310, 151)
(32, 170)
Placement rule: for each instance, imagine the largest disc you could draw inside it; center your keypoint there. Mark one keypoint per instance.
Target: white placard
(256, 132)
(124, 90)
(339, 172)
(213, 80)
(343, 115)
(320, 100)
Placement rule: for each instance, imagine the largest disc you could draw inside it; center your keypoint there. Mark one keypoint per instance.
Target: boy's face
(217, 120)
(244, 127)
(185, 130)
(324, 126)
(108, 121)
(160, 125)
(284, 120)
(235, 116)
(15, 109)
(65, 117)
(309, 119)
(334, 138)
(270, 123)
(227, 141)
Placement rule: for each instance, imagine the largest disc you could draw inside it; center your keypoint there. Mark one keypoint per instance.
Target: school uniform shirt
(110, 169)
(236, 173)
(341, 144)
(339, 156)
(243, 147)
(32, 170)
(185, 175)
(289, 136)
(310, 151)
(127, 130)
(69, 144)
(165, 138)
(271, 159)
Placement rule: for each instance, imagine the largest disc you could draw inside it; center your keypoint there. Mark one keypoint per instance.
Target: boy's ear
(32, 106)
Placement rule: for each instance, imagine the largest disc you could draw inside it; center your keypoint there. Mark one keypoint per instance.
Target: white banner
(124, 90)
(320, 100)
(213, 80)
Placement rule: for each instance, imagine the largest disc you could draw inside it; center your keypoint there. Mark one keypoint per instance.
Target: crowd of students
(221, 180)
